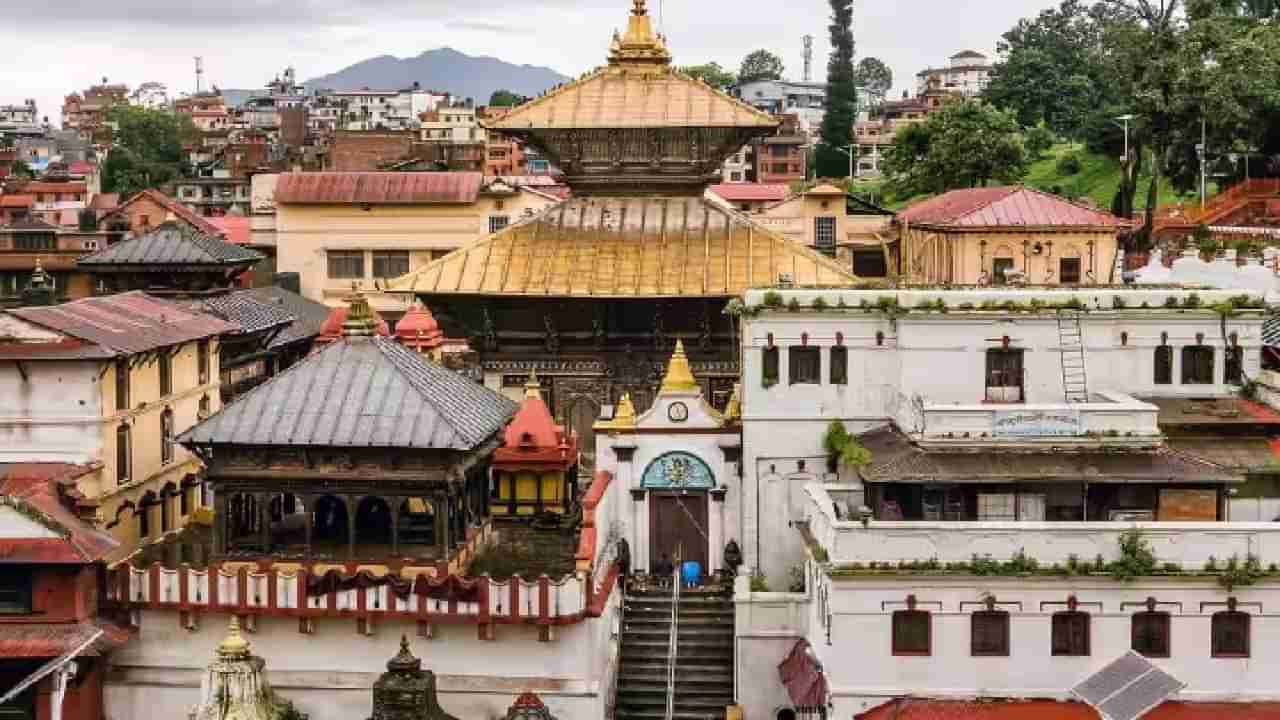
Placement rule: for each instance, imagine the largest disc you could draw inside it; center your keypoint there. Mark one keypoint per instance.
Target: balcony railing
(1108, 418)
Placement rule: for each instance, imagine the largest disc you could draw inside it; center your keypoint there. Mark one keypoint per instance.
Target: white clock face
(678, 412)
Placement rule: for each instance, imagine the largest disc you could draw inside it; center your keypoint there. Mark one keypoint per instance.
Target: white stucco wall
(55, 417)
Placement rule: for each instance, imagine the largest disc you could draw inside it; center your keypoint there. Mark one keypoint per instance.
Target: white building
(967, 73)
(381, 109)
(452, 123)
(20, 119)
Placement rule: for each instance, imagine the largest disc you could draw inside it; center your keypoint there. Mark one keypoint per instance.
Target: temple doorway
(330, 524)
(678, 529)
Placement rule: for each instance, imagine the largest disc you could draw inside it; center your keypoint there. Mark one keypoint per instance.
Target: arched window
(1164, 365)
(166, 436)
(1234, 362)
(1197, 365)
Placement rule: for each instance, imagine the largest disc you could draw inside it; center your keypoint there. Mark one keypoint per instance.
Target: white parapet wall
(1189, 545)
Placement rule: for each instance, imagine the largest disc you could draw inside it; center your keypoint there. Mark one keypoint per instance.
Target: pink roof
(378, 188)
(235, 228)
(127, 323)
(17, 201)
(81, 168)
(178, 209)
(42, 486)
(750, 192)
(925, 709)
(1010, 206)
(55, 187)
(418, 329)
(533, 439)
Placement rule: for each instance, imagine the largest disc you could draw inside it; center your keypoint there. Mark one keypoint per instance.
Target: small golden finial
(639, 8)
(532, 388)
(679, 376)
(234, 645)
(625, 415)
(359, 321)
(733, 410)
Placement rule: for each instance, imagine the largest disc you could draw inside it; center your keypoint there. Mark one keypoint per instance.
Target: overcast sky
(53, 47)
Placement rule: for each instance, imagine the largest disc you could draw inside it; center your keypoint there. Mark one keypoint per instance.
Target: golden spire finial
(359, 321)
(532, 388)
(625, 414)
(639, 8)
(234, 645)
(679, 376)
(639, 46)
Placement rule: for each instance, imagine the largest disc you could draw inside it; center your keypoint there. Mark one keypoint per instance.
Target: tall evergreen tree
(842, 94)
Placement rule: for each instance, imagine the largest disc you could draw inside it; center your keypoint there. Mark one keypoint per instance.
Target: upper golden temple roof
(627, 247)
(637, 89)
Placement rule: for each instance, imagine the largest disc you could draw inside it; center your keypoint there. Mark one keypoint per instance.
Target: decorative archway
(678, 470)
(330, 526)
(167, 494)
(373, 521)
(417, 522)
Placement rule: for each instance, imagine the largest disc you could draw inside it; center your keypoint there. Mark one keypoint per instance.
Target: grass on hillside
(1097, 181)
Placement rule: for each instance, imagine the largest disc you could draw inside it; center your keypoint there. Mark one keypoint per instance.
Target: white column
(715, 534)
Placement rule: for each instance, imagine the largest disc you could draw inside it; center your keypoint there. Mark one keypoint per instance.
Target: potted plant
(843, 448)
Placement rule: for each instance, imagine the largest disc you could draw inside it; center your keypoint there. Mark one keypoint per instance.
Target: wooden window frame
(1233, 365)
(998, 373)
(124, 454)
(334, 259)
(21, 589)
(839, 370)
(1224, 616)
(1000, 619)
(771, 366)
(1062, 271)
(1164, 622)
(164, 365)
(1195, 369)
(1065, 618)
(202, 361)
(497, 223)
(166, 437)
(383, 258)
(122, 371)
(824, 235)
(1162, 365)
(801, 355)
(904, 616)
(997, 277)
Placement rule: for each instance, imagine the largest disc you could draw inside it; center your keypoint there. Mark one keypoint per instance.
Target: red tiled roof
(105, 201)
(378, 188)
(1010, 206)
(55, 187)
(47, 640)
(126, 323)
(38, 486)
(750, 192)
(178, 209)
(235, 229)
(418, 329)
(912, 709)
(17, 201)
(533, 439)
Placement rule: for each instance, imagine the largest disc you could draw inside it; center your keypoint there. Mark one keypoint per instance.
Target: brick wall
(355, 151)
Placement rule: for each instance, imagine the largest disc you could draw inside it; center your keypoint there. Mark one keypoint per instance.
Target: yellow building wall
(526, 489)
(117, 503)
(794, 219)
(305, 233)
(962, 258)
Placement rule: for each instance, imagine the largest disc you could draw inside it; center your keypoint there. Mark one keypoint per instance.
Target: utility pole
(1203, 150)
(199, 74)
(1125, 119)
(808, 58)
(848, 150)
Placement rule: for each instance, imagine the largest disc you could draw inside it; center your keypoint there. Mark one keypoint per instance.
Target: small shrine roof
(171, 244)
(627, 247)
(534, 438)
(360, 392)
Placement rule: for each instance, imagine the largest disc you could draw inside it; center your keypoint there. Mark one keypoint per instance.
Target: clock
(678, 412)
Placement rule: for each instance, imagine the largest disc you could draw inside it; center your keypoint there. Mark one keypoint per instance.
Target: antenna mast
(808, 58)
(199, 74)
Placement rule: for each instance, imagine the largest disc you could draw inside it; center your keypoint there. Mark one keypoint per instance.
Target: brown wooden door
(678, 528)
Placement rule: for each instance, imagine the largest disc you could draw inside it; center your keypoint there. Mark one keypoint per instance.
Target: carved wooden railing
(1174, 216)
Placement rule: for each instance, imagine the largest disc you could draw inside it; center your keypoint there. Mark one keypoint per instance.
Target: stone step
(685, 703)
(661, 713)
(684, 632)
(657, 682)
(685, 611)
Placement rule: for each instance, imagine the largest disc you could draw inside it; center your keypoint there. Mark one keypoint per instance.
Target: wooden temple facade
(592, 294)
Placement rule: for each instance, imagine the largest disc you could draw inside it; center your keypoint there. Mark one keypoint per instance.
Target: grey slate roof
(1271, 330)
(308, 315)
(250, 313)
(362, 392)
(171, 244)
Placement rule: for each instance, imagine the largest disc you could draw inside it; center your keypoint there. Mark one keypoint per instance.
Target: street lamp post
(1203, 151)
(1125, 119)
(848, 150)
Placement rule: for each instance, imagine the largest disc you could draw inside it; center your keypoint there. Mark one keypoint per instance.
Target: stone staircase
(704, 664)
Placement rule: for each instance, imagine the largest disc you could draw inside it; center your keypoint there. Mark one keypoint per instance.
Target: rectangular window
(15, 591)
(989, 634)
(1150, 634)
(390, 264)
(805, 365)
(1230, 630)
(999, 267)
(166, 437)
(912, 633)
(498, 222)
(1071, 633)
(1234, 363)
(1069, 271)
(122, 385)
(839, 365)
(1164, 365)
(202, 361)
(124, 455)
(870, 264)
(1004, 375)
(770, 367)
(1197, 365)
(824, 235)
(346, 265)
(166, 373)
(779, 168)
(35, 241)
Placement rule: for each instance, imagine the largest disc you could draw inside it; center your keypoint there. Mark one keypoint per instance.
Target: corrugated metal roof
(127, 323)
(627, 247)
(1009, 206)
(55, 187)
(364, 392)
(171, 243)
(235, 229)
(250, 313)
(750, 192)
(378, 188)
(36, 486)
(308, 315)
(50, 640)
(1271, 330)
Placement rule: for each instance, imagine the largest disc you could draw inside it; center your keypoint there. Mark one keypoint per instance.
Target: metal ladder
(1071, 343)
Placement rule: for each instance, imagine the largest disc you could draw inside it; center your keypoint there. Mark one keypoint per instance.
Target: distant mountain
(443, 69)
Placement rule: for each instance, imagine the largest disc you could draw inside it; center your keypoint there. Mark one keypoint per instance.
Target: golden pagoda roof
(637, 89)
(624, 416)
(679, 377)
(627, 247)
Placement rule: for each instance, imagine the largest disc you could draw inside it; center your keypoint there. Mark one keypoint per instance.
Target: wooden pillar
(440, 523)
(220, 526)
(308, 506)
(349, 509)
(395, 525)
(262, 504)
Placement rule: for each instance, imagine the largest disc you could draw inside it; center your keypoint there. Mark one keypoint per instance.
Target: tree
(760, 65)
(147, 149)
(962, 145)
(873, 76)
(1038, 141)
(506, 98)
(842, 94)
(712, 74)
(20, 168)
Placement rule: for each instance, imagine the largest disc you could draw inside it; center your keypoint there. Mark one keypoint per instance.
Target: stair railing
(672, 642)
